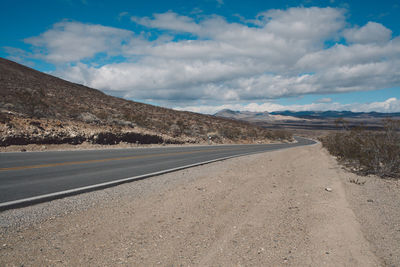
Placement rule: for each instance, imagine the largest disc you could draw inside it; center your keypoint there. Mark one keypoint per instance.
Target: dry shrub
(368, 152)
(356, 181)
(282, 135)
(33, 102)
(4, 118)
(279, 135)
(230, 133)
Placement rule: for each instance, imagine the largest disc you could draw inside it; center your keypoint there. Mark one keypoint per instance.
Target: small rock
(23, 150)
(328, 189)
(370, 200)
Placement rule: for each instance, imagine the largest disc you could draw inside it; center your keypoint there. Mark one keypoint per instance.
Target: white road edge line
(47, 197)
(42, 198)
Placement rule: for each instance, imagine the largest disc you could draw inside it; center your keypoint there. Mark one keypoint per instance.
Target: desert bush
(175, 130)
(282, 135)
(368, 152)
(139, 119)
(32, 102)
(4, 118)
(278, 135)
(230, 133)
(102, 115)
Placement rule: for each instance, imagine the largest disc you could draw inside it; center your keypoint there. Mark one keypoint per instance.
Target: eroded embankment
(102, 138)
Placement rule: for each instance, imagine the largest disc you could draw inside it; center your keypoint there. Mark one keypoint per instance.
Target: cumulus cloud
(169, 21)
(73, 41)
(355, 54)
(309, 24)
(372, 32)
(280, 53)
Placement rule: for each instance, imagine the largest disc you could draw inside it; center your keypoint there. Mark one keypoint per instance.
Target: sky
(207, 55)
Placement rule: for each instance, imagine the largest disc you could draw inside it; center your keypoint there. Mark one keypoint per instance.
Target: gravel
(265, 209)
(31, 215)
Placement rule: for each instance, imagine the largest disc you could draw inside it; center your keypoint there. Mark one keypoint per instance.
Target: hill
(254, 116)
(243, 115)
(330, 114)
(42, 109)
(311, 123)
(288, 115)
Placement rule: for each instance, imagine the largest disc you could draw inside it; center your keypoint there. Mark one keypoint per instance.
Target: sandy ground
(268, 209)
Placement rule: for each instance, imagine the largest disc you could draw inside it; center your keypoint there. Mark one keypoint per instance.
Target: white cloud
(324, 100)
(283, 53)
(19, 55)
(372, 32)
(388, 106)
(308, 24)
(73, 41)
(169, 21)
(122, 15)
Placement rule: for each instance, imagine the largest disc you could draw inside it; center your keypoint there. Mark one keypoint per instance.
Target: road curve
(33, 177)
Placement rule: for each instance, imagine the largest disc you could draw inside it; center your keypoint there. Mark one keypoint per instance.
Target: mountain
(254, 117)
(243, 115)
(311, 123)
(288, 115)
(334, 114)
(39, 108)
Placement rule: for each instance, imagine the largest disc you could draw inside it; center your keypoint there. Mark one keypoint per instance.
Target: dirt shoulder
(376, 205)
(268, 209)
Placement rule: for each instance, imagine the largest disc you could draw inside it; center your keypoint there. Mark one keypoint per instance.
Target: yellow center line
(105, 160)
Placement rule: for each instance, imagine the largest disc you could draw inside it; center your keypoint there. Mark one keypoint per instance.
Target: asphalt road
(31, 177)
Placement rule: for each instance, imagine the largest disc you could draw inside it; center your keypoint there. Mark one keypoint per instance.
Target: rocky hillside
(42, 109)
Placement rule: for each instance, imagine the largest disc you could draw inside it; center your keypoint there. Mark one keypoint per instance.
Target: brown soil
(269, 209)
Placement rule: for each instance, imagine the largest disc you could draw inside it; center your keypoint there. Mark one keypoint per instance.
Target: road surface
(31, 177)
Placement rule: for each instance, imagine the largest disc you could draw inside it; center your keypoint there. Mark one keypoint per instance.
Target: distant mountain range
(243, 115)
(255, 117)
(288, 115)
(334, 114)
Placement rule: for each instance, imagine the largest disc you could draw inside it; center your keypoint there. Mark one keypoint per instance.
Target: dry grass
(357, 181)
(368, 152)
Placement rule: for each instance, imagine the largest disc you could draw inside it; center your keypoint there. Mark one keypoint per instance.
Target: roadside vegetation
(367, 152)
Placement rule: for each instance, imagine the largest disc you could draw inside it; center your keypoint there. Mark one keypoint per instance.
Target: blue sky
(212, 54)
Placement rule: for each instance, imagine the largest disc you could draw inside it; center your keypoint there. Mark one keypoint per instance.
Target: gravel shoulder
(265, 209)
(376, 205)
